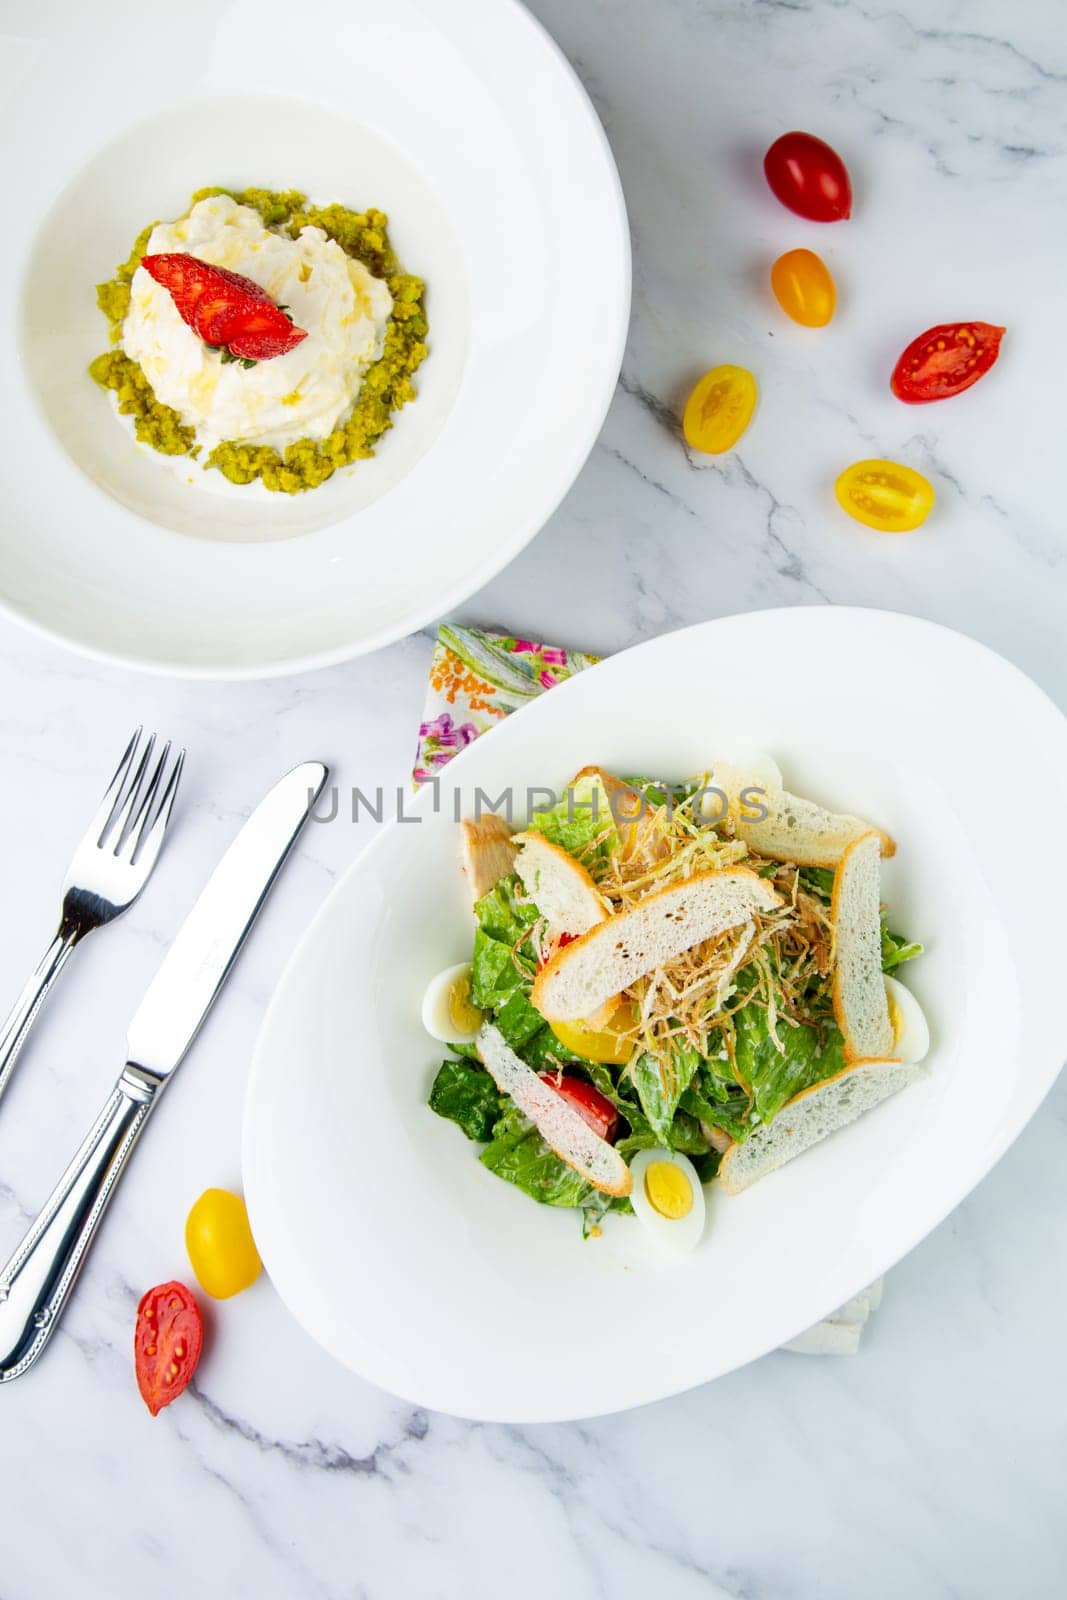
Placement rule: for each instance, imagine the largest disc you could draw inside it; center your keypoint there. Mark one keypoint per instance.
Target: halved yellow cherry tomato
(597, 1044)
(885, 495)
(719, 409)
(804, 288)
(220, 1244)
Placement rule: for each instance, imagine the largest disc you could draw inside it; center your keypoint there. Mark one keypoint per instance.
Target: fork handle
(20, 1019)
(35, 1283)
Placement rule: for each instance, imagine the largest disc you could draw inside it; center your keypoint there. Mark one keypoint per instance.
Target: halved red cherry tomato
(167, 1340)
(557, 944)
(809, 178)
(945, 360)
(594, 1108)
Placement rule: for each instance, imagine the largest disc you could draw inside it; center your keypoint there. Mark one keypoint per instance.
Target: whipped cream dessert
(302, 395)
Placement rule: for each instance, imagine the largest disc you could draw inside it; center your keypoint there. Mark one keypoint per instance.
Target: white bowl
(417, 1268)
(469, 128)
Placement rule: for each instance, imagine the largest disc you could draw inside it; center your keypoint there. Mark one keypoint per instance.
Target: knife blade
(198, 963)
(36, 1282)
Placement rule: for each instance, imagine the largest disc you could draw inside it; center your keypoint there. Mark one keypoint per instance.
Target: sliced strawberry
(217, 310)
(220, 305)
(262, 332)
(185, 279)
(189, 281)
(226, 296)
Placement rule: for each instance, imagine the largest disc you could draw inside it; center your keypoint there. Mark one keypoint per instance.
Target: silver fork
(109, 869)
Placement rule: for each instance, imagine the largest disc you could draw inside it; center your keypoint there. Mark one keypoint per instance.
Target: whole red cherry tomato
(167, 1340)
(594, 1108)
(809, 177)
(945, 360)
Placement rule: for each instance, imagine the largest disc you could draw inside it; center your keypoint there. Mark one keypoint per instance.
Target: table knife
(35, 1283)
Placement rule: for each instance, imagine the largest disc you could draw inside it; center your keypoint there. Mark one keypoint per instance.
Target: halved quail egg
(668, 1199)
(448, 1012)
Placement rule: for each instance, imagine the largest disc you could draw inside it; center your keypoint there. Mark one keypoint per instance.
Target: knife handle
(35, 1283)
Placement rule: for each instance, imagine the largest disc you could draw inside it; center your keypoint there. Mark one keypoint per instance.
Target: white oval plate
(417, 1268)
(468, 127)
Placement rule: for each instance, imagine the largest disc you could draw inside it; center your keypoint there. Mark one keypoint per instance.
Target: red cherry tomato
(555, 947)
(595, 1109)
(809, 178)
(945, 360)
(167, 1341)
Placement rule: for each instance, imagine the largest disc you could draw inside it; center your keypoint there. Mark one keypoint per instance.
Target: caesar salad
(670, 984)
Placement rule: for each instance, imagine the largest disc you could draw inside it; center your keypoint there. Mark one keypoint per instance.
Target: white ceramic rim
(1024, 1105)
(508, 547)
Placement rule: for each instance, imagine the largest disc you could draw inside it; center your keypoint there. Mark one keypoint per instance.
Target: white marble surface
(930, 1466)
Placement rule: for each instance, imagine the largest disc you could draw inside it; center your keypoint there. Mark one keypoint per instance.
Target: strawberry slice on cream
(225, 308)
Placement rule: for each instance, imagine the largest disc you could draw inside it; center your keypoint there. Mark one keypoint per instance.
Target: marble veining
(932, 1465)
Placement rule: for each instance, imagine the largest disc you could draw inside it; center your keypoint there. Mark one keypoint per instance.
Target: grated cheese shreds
(689, 999)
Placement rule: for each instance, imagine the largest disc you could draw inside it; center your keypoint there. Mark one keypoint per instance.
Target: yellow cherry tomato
(605, 1045)
(804, 288)
(885, 495)
(719, 409)
(220, 1244)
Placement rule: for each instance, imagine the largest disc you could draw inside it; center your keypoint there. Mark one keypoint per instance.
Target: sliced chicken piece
(487, 852)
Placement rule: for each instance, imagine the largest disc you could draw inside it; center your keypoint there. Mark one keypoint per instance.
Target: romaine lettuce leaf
(519, 1155)
(658, 792)
(467, 1096)
(517, 1019)
(896, 950)
(544, 1052)
(659, 1099)
(597, 1207)
(495, 972)
(505, 913)
(819, 880)
(720, 1102)
(581, 823)
(772, 1076)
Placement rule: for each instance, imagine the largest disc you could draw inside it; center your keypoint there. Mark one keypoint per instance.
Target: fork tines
(133, 815)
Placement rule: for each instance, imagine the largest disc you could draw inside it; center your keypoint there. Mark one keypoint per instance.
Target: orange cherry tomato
(719, 409)
(804, 288)
(885, 495)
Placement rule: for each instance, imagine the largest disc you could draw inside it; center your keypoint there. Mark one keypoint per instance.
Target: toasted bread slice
(487, 852)
(860, 1004)
(559, 886)
(797, 830)
(635, 822)
(812, 1115)
(558, 1124)
(582, 976)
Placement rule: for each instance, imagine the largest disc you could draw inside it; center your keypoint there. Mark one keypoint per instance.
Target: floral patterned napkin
(477, 678)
